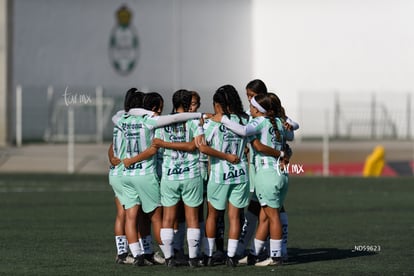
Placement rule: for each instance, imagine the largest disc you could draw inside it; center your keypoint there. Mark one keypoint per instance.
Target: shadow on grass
(299, 255)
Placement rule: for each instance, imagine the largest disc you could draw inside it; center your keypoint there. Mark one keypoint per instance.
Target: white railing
(59, 117)
(356, 116)
(70, 117)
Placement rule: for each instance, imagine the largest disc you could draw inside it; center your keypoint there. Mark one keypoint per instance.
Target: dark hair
(152, 101)
(229, 100)
(182, 98)
(265, 101)
(133, 99)
(277, 106)
(257, 86)
(197, 96)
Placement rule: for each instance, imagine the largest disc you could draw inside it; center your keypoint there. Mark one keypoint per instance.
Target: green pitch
(63, 225)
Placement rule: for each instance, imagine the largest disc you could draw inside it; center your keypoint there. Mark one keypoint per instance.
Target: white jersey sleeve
(175, 118)
(117, 116)
(247, 130)
(295, 125)
(140, 112)
(132, 111)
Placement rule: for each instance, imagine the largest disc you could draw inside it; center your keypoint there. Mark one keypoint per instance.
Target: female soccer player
(181, 179)
(140, 182)
(133, 98)
(270, 184)
(228, 180)
(253, 88)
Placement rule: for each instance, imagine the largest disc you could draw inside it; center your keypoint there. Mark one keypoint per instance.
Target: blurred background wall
(3, 72)
(340, 67)
(198, 45)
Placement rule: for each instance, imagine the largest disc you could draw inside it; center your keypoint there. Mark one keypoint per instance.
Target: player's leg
(211, 226)
(233, 234)
(167, 233)
(179, 233)
(170, 197)
(120, 237)
(275, 229)
(193, 234)
(145, 238)
(131, 232)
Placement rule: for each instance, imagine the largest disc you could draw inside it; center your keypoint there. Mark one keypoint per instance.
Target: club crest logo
(123, 42)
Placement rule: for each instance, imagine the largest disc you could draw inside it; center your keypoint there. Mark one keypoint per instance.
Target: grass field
(63, 225)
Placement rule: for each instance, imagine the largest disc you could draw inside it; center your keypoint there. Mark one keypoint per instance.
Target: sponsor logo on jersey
(174, 128)
(177, 138)
(233, 174)
(126, 126)
(178, 170)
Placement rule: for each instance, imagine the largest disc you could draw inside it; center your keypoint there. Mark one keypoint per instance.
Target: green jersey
(222, 139)
(134, 133)
(136, 136)
(179, 165)
(266, 135)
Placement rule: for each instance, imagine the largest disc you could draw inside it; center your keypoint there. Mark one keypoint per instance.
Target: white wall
(193, 44)
(337, 45)
(295, 46)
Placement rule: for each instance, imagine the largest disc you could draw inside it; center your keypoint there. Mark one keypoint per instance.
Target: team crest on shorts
(123, 43)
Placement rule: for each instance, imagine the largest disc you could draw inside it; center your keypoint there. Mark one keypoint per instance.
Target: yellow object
(374, 164)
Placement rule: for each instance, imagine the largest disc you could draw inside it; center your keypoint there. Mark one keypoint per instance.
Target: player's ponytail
(265, 101)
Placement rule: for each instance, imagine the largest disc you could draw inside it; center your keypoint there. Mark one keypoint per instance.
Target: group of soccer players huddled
(168, 171)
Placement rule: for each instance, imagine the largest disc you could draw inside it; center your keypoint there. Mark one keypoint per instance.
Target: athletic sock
(135, 249)
(275, 248)
(231, 247)
(121, 244)
(284, 222)
(147, 244)
(209, 246)
(167, 236)
(193, 240)
(258, 246)
(252, 249)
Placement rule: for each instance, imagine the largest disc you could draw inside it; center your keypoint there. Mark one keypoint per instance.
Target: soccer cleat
(129, 259)
(251, 259)
(219, 257)
(158, 258)
(139, 260)
(231, 261)
(170, 262)
(243, 260)
(180, 258)
(124, 259)
(193, 262)
(270, 261)
(200, 260)
(208, 261)
(149, 259)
